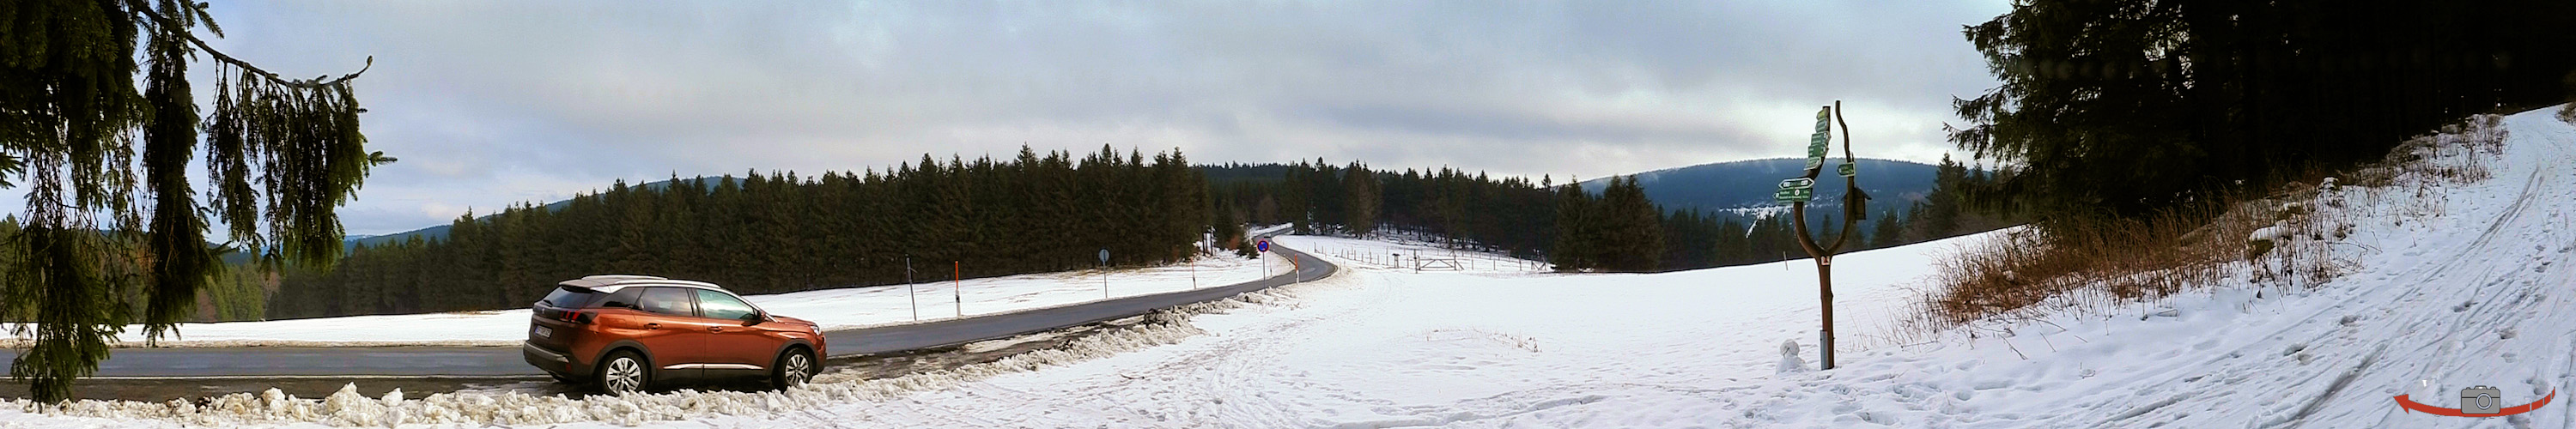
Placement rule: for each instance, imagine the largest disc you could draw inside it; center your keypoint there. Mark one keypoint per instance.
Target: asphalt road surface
(506, 362)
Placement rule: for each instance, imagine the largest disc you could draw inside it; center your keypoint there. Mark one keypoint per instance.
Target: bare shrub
(2121, 258)
(2567, 112)
(2286, 237)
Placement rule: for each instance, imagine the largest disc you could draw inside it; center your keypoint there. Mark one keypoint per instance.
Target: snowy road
(210, 362)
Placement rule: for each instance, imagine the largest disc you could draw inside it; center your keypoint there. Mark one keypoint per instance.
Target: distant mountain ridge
(1747, 186)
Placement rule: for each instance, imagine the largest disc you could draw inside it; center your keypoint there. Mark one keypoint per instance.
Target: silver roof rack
(610, 283)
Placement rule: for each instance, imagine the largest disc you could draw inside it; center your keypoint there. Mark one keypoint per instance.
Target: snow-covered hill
(2446, 284)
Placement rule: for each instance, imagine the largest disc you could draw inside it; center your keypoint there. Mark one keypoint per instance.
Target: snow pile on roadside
(348, 408)
(836, 309)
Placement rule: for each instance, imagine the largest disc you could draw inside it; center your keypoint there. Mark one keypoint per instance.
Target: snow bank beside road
(347, 408)
(834, 308)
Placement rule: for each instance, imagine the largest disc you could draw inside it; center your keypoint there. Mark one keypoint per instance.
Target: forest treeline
(772, 233)
(783, 232)
(1617, 229)
(2126, 108)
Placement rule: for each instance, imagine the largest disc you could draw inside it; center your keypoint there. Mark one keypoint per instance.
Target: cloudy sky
(492, 103)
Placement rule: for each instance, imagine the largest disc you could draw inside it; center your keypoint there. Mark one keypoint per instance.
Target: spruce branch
(175, 28)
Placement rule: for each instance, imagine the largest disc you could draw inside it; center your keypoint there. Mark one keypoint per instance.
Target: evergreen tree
(1574, 249)
(1229, 231)
(68, 104)
(1943, 207)
(1360, 197)
(1632, 233)
(2122, 108)
(781, 232)
(1885, 232)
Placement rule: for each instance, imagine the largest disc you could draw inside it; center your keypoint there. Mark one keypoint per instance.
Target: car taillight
(576, 316)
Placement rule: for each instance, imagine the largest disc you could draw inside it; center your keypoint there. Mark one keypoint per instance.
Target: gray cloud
(490, 103)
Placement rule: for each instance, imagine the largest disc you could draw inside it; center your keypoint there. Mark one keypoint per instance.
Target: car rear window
(569, 297)
(623, 298)
(668, 300)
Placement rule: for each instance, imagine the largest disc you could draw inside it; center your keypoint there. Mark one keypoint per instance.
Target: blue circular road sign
(1264, 245)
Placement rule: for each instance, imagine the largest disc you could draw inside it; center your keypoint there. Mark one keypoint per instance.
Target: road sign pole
(907, 289)
(958, 291)
(1797, 191)
(1293, 268)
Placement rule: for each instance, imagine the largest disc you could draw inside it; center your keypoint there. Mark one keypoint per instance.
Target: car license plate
(545, 332)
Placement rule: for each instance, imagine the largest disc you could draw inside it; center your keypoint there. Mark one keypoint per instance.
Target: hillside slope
(1749, 183)
(2446, 285)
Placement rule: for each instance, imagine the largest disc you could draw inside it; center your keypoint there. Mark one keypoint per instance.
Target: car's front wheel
(624, 372)
(794, 368)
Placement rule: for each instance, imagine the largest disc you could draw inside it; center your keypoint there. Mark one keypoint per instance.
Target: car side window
(624, 298)
(720, 305)
(668, 300)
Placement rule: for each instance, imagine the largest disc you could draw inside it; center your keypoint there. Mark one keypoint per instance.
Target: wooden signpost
(1798, 190)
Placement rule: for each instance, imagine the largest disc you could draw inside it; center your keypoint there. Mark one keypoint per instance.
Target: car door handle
(652, 326)
(715, 329)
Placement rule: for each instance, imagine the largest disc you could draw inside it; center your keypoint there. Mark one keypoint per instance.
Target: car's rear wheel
(794, 368)
(624, 372)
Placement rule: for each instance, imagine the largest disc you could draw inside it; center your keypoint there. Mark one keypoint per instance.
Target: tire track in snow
(2489, 284)
(2436, 282)
(2340, 383)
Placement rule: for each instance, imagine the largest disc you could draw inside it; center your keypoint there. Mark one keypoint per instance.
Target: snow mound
(1789, 361)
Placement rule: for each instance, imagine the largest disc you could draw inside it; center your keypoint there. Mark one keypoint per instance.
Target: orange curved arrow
(2411, 405)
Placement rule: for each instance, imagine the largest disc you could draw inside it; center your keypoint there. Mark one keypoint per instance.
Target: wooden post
(1854, 210)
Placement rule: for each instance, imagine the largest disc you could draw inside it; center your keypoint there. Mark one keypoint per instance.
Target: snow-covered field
(1425, 257)
(834, 308)
(2448, 285)
(1369, 347)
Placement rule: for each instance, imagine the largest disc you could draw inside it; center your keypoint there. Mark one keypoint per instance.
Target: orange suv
(629, 333)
